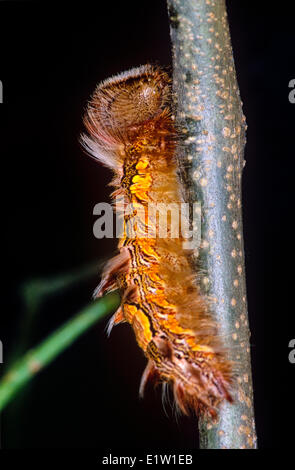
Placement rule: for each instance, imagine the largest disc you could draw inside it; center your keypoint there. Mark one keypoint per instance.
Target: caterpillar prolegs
(131, 129)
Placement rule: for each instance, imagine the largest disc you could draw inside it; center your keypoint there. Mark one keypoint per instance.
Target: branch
(209, 110)
(36, 291)
(38, 358)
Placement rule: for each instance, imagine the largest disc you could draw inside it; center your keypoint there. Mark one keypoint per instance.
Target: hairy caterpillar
(131, 129)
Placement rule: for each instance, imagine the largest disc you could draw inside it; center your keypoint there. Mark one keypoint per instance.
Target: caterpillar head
(119, 106)
(128, 99)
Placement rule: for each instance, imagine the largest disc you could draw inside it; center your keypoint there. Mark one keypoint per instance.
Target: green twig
(34, 292)
(38, 358)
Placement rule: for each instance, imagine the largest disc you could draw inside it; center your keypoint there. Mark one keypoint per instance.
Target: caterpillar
(130, 128)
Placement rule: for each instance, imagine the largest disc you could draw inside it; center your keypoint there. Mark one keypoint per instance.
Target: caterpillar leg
(117, 318)
(114, 267)
(150, 373)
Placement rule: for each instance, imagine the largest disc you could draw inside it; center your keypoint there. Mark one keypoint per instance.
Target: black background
(52, 56)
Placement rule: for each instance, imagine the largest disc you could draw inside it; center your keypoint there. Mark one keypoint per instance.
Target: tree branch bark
(209, 111)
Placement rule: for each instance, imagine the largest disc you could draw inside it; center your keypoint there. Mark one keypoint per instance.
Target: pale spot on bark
(226, 131)
(235, 225)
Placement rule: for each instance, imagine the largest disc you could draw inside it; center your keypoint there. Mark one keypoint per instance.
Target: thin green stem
(40, 356)
(35, 292)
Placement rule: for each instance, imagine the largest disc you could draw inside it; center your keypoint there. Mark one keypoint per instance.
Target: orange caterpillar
(131, 130)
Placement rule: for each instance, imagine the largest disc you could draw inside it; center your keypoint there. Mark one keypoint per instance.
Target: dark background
(52, 56)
